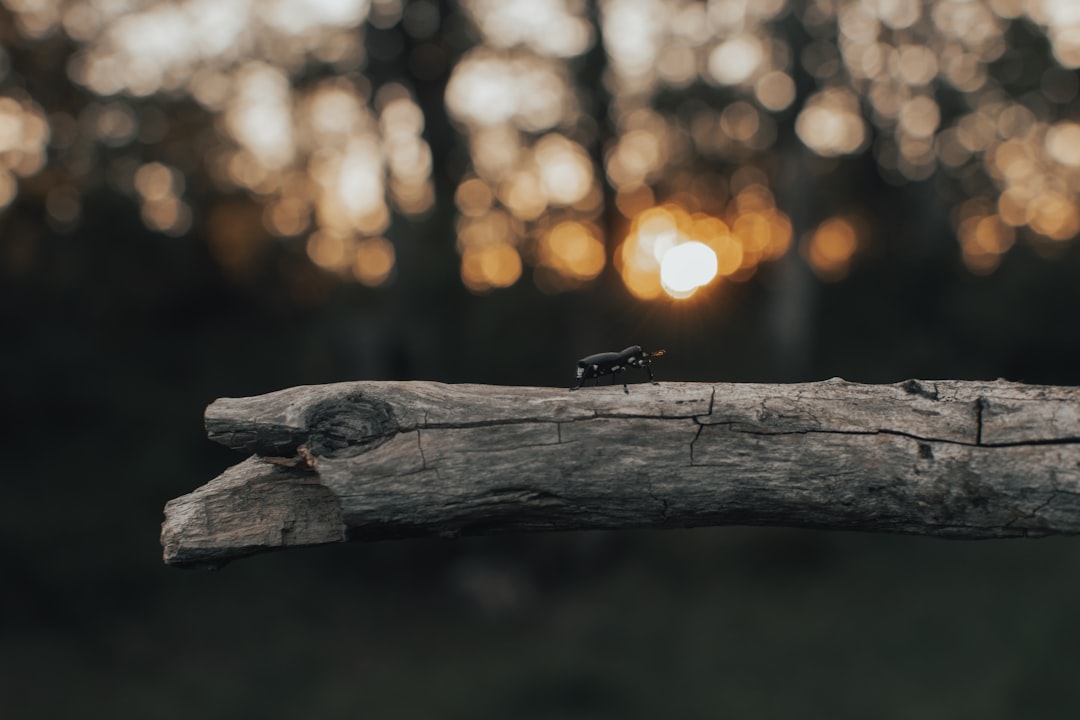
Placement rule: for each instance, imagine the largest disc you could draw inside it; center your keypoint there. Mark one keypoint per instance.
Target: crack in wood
(420, 449)
(491, 423)
(661, 501)
(523, 495)
(748, 430)
(697, 436)
(980, 404)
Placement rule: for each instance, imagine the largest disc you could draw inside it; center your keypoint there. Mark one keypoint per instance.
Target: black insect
(615, 363)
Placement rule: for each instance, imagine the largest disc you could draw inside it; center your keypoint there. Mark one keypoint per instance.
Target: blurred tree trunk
(792, 314)
(793, 309)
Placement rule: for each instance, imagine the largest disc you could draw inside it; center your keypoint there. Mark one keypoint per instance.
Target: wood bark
(373, 460)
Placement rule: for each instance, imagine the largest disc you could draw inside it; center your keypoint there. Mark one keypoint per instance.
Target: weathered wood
(371, 460)
(257, 505)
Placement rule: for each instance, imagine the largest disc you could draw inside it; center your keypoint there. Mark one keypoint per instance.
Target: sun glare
(687, 267)
(672, 251)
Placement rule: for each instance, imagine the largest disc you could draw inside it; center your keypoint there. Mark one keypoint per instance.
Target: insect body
(615, 363)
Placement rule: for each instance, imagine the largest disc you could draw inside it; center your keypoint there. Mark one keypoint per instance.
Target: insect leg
(648, 369)
(581, 377)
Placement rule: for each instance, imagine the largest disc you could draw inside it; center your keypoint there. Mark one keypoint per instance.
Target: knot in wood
(348, 426)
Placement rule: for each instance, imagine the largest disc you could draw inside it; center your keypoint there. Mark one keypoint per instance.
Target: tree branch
(373, 460)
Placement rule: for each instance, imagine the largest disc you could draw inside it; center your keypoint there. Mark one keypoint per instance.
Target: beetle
(615, 363)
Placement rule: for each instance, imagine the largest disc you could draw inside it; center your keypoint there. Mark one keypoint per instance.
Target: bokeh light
(484, 267)
(24, 133)
(574, 251)
(686, 267)
(548, 27)
(830, 248)
(373, 261)
(490, 88)
(706, 247)
(160, 189)
(564, 168)
(736, 60)
(332, 156)
(831, 123)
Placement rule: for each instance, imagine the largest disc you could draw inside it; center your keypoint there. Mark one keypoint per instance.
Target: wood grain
(374, 460)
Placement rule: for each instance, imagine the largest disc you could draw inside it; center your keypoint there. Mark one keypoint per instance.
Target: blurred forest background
(203, 199)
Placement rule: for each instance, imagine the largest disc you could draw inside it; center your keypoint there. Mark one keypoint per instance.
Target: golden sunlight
(373, 261)
(331, 155)
(486, 267)
(687, 267)
(830, 248)
(675, 252)
(572, 249)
